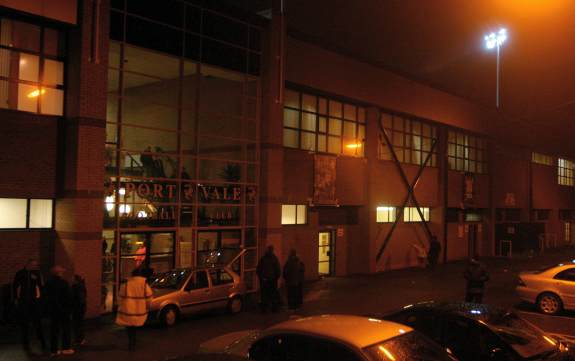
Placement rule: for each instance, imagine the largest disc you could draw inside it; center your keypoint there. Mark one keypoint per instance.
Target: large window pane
(53, 72)
(29, 67)
(41, 213)
(288, 214)
(13, 213)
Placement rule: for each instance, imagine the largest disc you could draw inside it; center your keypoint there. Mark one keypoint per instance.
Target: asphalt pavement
(362, 294)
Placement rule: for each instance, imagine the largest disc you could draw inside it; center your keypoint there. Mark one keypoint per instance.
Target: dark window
(116, 26)
(192, 46)
(221, 28)
(254, 64)
(565, 214)
(216, 53)
(255, 39)
(541, 214)
(118, 4)
(198, 280)
(566, 275)
(167, 11)
(452, 215)
(508, 214)
(220, 277)
(153, 36)
(193, 19)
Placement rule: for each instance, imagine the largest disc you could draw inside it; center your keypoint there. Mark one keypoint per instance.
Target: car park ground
(363, 294)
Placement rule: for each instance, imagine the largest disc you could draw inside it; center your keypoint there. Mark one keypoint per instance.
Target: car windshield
(172, 279)
(410, 346)
(521, 335)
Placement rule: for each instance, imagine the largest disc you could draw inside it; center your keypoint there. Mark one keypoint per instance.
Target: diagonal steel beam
(410, 189)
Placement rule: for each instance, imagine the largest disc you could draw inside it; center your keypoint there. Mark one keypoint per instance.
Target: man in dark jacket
(59, 309)
(433, 254)
(28, 288)
(268, 271)
(293, 275)
(78, 308)
(476, 276)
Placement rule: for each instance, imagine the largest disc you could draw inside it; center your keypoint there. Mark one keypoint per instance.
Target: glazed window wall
(182, 140)
(320, 124)
(565, 172)
(411, 140)
(466, 153)
(31, 67)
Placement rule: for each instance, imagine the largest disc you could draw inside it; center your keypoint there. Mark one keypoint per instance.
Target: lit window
(40, 213)
(319, 124)
(565, 172)
(13, 213)
(410, 214)
(466, 153)
(385, 214)
(567, 232)
(411, 140)
(294, 214)
(541, 159)
(31, 75)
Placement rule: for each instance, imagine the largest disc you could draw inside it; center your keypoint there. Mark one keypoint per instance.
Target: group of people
(269, 273)
(64, 306)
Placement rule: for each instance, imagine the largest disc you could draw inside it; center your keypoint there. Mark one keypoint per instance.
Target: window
(565, 172)
(25, 213)
(198, 280)
(320, 124)
(31, 68)
(566, 275)
(411, 140)
(220, 277)
(466, 153)
(541, 214)
(568, 232)
(385, 214)
(410, 214)
(541, 158)
(294, 214)
(473, 215)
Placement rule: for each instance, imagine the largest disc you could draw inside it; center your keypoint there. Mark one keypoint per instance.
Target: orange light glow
(550, 340)
(387, 353)
(35, 93)
(353, 145)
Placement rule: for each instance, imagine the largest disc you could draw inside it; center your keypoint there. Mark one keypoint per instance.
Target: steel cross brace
(410, 189)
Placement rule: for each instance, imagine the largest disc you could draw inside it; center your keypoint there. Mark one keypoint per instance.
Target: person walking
(292, 274)
(59, 309)
(28, 287)
(268, 271)
(135, 297)
(476, 275)
(79, 295)
(433, 254)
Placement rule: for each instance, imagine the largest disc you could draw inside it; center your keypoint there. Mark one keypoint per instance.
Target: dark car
(475, 332)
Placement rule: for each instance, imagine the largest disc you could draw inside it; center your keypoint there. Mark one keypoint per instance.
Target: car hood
(234, 343)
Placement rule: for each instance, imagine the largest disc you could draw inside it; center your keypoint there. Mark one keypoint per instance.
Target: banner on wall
(324, 180)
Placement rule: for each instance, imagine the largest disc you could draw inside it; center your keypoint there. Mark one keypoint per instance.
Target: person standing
(476, 275)
(433, 254)
(59, 309)
(292, 274)
(28, 288)
(79, 295)
(268, 271)
(135, 297)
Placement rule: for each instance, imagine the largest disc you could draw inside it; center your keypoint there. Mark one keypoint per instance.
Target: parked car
(551, 289)
(329, 337)
(475, 332)
(194, 290)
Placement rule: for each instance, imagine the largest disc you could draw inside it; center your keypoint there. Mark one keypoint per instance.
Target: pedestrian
(292, 274)
(135, 297)
(59, 310)
(268, 271)
(79, 295)
(28, 288)
(433, 254)
(476, 275)
(421, 253)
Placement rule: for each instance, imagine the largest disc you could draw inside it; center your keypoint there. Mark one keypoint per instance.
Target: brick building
(134, 133)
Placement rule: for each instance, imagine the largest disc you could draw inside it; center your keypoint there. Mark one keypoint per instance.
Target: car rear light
(521, 283)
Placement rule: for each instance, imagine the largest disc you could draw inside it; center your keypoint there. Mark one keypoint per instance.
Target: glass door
(219, 247)
(153, 250)
(325, 259)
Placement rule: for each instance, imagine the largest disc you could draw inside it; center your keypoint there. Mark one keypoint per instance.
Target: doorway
(325, 255)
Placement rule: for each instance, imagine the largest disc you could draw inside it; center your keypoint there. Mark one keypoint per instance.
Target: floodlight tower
(496, 40)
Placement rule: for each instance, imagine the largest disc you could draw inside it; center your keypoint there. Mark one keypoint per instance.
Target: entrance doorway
(325, 254)
(148, 249)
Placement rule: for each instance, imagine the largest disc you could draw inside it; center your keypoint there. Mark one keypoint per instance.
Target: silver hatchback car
(194, 290)
(551, 289)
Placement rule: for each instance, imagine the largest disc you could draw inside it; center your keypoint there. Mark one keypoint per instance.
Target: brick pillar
(81, 141)
(271, 180)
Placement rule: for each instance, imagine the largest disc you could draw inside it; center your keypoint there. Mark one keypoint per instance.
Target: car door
(565, 284)
(197, 293)
(222, 284)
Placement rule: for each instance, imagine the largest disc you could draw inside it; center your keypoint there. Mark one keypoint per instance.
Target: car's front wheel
(235, 305)
(549, 303)
(169, 316)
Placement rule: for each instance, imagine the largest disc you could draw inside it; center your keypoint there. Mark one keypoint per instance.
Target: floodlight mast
(496, 40)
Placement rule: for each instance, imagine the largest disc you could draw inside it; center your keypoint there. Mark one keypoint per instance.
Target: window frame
(565, 172)
(466, 152)
(28, 207)
(389, 211)
(410, 213)
(295, 214)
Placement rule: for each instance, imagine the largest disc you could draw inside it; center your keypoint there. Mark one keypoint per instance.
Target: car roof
(354, 330)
